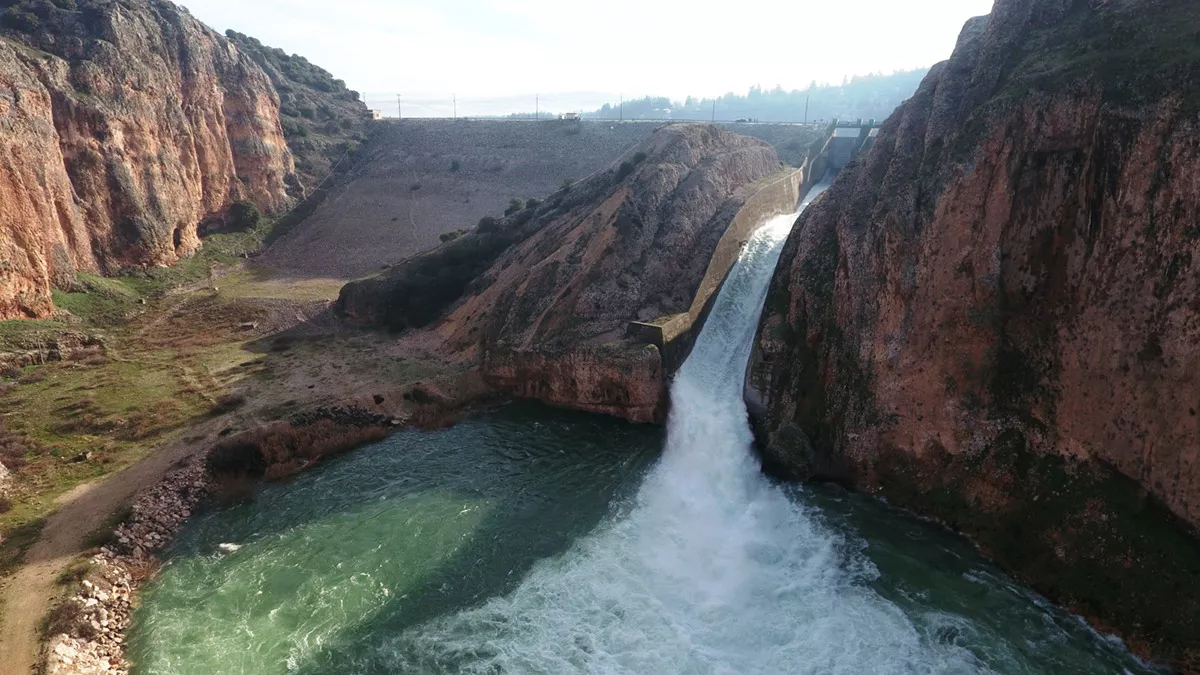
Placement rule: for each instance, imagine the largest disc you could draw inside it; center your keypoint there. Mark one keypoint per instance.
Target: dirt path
(28, 592)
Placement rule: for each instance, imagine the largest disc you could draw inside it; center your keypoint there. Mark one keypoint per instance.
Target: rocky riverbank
(88, 628)
(86, 631)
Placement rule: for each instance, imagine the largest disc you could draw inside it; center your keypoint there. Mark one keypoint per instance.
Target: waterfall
(454, 552)
(711, 569)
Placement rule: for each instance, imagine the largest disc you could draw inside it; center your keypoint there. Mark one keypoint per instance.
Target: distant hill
(865, 96)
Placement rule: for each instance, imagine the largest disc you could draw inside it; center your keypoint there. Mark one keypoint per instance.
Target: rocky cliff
(544, 297)
(323, 121)
(993, 317)
(123, 125)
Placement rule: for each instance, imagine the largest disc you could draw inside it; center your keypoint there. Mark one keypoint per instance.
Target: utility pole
(714, 117)
(537, 109)
(807, 99)
(455, 106)
(621, 114)
(399, 108)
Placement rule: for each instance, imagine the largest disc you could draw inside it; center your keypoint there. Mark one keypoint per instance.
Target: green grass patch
(85, 422)
(220, 250)
(16, 332)
(102, 303)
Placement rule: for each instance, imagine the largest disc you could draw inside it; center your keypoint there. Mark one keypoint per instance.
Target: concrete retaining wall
(769, 197)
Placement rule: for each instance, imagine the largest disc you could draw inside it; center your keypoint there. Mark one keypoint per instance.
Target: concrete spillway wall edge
(675, 335)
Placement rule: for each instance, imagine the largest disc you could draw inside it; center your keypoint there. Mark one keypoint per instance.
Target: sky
(497, 54)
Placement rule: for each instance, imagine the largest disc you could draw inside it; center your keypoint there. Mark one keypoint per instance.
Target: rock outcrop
(323, 121)
(123, 125)
(992, 317)
(545, 296)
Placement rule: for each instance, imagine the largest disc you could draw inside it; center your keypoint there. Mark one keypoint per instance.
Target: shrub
(455, 165)
(448, 236)
(64, 618)
(639, 158)
(514, 205)
(68, 5)
(488, 225)
(533, 203)
(12, 449)
(33, 378)
(308, 113)
(244, 216)
(10, 372)
(292, 128)
(625, 170)
(5, 504)
(21, 20)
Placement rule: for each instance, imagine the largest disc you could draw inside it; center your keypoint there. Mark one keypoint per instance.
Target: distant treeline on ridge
(864, 96)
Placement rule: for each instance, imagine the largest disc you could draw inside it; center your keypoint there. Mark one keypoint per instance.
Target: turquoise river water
(531, 540)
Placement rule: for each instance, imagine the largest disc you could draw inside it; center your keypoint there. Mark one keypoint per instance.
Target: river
(531, 540)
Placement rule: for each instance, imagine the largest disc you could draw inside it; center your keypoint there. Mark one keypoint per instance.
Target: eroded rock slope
(994, 316)
(544, 297)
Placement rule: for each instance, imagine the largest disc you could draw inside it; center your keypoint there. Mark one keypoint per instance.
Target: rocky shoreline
(90, 626)
(86, 631)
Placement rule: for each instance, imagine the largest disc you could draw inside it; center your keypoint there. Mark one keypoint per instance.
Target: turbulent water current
(536, 541)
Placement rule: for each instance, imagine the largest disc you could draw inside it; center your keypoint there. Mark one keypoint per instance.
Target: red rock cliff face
(122, 127)
(557, 284)
(994, 316)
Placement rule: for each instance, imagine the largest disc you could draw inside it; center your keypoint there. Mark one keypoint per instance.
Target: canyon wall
(993, 317)
(544, 297)
(123, 125)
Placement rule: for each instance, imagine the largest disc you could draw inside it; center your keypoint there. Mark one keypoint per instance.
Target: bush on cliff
(19, 19)
(244, 216)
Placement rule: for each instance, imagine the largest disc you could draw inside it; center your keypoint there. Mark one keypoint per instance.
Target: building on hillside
(376, 114)
(571, 116)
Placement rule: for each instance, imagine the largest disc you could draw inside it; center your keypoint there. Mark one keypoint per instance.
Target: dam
(540, 541)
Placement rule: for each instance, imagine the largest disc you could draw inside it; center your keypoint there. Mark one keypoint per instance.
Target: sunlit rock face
(122, 127)
(991, 317)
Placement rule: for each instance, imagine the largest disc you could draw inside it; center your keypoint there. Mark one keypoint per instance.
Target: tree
(244, 216)
(19, 19)
(514, 205)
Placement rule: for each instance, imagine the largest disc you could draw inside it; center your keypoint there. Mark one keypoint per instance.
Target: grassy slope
(171, 350)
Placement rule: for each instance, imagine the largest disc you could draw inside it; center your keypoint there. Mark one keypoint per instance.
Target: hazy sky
(484, 50)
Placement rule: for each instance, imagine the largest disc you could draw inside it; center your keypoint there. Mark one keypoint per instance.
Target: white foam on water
(712, 569)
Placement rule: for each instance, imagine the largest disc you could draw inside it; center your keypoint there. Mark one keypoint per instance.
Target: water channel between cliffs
(537, 541)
